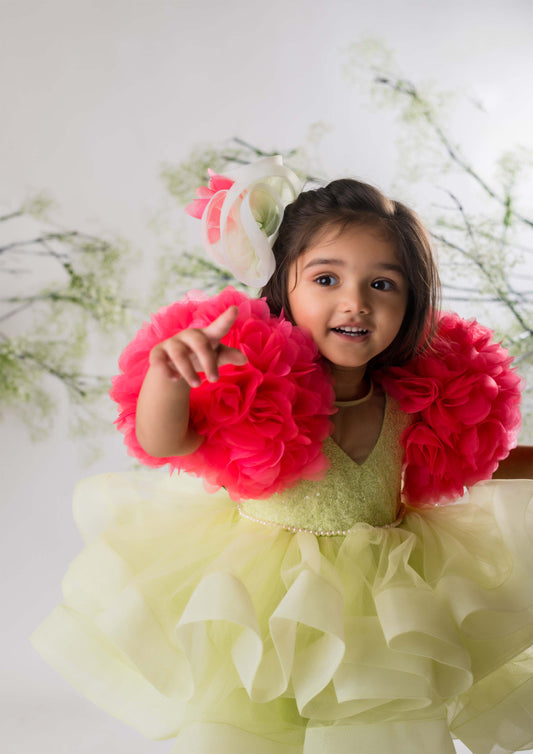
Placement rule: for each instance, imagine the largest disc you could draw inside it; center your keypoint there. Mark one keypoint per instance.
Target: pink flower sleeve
(263, 423)
(466, 400)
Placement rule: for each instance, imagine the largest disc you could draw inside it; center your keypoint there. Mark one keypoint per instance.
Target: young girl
(307, 604)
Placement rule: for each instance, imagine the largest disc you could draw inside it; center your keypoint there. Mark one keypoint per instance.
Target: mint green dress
(321, 621)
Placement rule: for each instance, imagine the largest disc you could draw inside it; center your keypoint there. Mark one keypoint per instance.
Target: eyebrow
(320, 261)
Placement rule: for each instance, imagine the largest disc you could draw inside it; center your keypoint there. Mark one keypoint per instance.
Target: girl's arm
(162, 422)
(517, 465)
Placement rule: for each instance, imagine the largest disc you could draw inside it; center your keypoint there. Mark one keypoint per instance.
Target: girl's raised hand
(199, 350)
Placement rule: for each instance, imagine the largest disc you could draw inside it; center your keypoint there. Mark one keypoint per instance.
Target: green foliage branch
(46, 329)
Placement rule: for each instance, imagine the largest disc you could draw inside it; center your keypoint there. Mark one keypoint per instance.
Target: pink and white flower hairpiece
(241, 213)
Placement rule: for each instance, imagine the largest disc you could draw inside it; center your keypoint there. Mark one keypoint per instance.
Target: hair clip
(241, 213)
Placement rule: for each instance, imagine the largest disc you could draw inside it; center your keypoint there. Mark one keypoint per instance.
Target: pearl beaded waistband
(321, 532)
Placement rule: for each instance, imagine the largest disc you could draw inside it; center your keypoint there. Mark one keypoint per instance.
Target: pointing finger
(221, 326)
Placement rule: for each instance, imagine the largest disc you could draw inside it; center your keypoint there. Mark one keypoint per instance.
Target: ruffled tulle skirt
(185, 620)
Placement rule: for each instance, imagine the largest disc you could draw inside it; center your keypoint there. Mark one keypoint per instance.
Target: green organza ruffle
(182, 619)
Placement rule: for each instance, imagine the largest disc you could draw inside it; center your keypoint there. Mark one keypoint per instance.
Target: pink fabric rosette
(466, 398)
(263, 423)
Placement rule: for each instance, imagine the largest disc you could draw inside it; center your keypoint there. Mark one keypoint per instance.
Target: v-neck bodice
(350, 492)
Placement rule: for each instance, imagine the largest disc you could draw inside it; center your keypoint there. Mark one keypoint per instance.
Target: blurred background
(112, 112)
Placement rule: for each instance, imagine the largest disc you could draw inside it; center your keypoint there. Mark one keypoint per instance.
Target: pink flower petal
(196, 208)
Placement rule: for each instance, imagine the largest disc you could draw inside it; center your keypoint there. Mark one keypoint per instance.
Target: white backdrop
(95, 95)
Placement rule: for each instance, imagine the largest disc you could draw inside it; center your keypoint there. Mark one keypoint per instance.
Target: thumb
(228, 355)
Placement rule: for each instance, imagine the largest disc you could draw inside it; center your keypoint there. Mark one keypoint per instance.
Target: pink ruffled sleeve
(263, 423)
(466, 400)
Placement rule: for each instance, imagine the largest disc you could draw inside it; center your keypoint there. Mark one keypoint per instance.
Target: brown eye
(383, 285)
(326, 280)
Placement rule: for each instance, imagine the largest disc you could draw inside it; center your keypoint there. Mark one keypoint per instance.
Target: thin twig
(41, 240)
(502, 294)
(69, 380)
(409, 89)
(11, 215)
(15, 311)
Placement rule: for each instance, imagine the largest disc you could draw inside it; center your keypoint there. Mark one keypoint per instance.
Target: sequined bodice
(350, 493)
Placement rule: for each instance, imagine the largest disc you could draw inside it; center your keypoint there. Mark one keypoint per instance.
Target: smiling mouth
(353, 331)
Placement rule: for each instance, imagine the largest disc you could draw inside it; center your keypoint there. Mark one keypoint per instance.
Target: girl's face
(350, 292)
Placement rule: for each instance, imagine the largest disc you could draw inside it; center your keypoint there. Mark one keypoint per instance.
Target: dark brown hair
(345, 203)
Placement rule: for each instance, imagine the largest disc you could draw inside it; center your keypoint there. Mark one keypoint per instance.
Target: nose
(355, 300)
